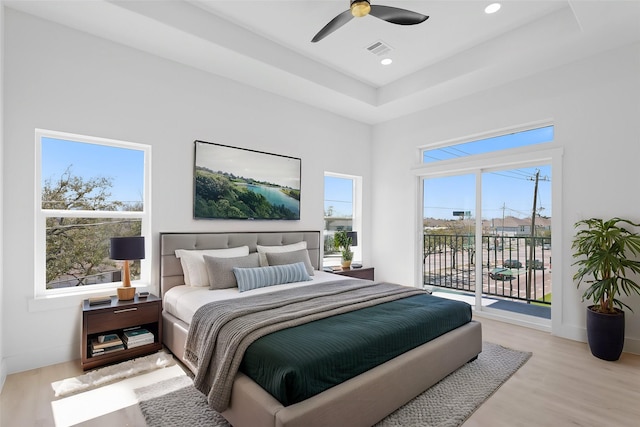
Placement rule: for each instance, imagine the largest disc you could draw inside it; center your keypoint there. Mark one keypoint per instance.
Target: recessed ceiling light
(492, 8)
(386, 61)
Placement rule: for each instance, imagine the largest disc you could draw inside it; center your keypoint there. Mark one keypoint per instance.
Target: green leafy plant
(342, 242)
(606, 252)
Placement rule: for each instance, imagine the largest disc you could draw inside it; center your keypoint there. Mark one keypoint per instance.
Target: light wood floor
(561, 385)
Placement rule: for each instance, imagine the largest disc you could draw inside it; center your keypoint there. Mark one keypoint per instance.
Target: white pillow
(262, 250)
(194, 268)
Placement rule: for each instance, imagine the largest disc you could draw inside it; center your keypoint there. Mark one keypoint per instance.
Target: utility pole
(532, 247)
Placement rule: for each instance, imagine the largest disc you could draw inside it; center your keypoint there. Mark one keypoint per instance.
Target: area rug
(449, 403)
(112, 373)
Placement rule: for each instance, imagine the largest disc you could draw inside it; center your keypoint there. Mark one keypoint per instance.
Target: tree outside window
(90, 190)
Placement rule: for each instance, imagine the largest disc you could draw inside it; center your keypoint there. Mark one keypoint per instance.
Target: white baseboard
(3, 373)
(632, 345)
(26, 361)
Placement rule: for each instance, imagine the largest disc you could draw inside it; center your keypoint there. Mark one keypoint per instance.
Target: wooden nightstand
(113, 318)
(361, 273)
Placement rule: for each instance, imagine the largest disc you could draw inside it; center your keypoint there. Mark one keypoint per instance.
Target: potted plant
(607, 254)
(342, 242)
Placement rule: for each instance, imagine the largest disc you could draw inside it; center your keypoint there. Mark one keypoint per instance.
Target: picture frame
(240, 183)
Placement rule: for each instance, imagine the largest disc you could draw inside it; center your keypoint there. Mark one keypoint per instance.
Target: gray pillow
(282, 258)
(220, 270)
(261, 277)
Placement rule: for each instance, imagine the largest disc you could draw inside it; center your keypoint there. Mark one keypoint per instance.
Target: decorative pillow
(262, 250)
(220, 270)
(193, 268)
(261, 277)
(280, 258)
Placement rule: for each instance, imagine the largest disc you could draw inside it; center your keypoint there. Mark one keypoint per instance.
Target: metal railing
(508, 268)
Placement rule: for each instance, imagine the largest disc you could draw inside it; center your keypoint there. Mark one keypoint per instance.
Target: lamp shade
(354, 237)
(127, 248)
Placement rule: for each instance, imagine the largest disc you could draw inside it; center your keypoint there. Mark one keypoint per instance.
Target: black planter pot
(605, 333)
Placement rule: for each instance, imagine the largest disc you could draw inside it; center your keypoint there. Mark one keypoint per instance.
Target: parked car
(512, 263)
(546, 246)
(537, 264)
(501, 274)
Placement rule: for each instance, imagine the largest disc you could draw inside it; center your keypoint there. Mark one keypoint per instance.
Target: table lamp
(354, 237)
(127, 249)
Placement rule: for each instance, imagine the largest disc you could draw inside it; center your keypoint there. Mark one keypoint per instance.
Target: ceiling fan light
(360, 8)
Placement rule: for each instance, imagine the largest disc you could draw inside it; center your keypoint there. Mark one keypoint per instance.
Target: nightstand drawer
(122, 317)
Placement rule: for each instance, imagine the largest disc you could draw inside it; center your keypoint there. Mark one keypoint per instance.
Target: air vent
(379, 48)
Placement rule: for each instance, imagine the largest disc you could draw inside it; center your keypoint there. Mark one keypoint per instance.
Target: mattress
(183, 301)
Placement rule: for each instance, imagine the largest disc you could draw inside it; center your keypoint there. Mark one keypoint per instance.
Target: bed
(361, 400)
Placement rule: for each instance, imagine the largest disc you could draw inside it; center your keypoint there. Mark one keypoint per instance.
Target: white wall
(595, 105)
(3, 369)
(60, 79)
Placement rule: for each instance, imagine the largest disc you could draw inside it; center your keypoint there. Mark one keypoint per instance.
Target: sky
(276, 169)
(508, 192)
(124, 166)
(338, 195)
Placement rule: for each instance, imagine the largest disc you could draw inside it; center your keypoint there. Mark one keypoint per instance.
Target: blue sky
(338, 194)
(124, 166)
(508, 192)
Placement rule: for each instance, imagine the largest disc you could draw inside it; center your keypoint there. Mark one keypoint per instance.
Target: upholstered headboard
(171, 270)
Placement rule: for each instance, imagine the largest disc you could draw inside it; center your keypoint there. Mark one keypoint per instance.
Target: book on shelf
(134, 333)
(146, 338)
(106, 350)
(133, 344)
(137, 337)
(111, 342)
(108, 338)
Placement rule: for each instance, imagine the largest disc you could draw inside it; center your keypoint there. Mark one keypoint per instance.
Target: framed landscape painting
(238, 183)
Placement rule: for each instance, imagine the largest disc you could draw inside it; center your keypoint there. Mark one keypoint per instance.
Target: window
(487, 145)
(488, 219)
(87, 191)
(342, 209)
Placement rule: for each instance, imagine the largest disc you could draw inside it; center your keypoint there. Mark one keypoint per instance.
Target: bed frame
(360, 401)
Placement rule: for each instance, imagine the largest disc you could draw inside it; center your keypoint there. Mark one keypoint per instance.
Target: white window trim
(484, 135)
(356, 208)
(40, 292)
(521, 157)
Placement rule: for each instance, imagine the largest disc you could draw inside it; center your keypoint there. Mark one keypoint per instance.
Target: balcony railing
(509, 270)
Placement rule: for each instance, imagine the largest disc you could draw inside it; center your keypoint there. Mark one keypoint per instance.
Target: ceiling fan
(360, 8)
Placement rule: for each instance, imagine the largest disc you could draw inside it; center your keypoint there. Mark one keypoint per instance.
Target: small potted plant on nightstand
(607, 254)
(342, 242)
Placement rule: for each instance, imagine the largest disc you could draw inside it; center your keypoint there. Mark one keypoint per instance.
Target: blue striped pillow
(260, 277)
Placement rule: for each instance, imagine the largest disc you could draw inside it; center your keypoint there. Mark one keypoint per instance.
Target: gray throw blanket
(220, 332)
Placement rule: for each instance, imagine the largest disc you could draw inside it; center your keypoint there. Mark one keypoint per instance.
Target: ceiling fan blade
(396, 15)
(333, 25)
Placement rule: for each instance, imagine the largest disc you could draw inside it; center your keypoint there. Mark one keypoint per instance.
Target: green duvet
(297, 363)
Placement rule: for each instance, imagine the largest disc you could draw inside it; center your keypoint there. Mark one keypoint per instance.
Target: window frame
(356, 210)
(527, 156)
(40, 286)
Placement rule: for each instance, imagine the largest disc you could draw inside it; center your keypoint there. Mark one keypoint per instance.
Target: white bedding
(183, 301)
